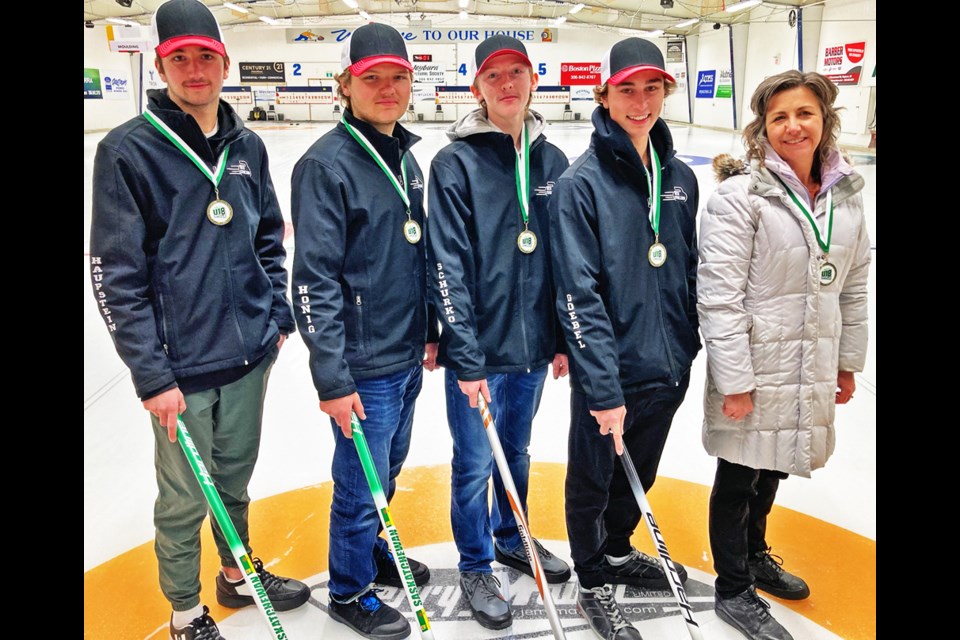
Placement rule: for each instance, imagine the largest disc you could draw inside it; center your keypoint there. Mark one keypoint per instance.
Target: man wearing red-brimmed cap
(359, 279)
(625, 259)
(187, 259)
(493, 291)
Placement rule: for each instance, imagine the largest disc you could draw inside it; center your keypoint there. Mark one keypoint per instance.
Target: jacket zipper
(163, 325)
(233, 301)
(663, 329)
(523, 324)
(360, 334)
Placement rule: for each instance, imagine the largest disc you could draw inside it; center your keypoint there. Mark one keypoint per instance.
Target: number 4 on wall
(541, 69)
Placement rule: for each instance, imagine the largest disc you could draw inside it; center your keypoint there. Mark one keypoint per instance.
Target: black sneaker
(749, 614)
(202, 628)
(555, 569)
(284, 593)
(604, 615)
(641, 570)
(370, 617)
(767, 570)
(388, 575)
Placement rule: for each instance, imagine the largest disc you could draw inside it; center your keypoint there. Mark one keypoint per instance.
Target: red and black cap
(374, 44)
(180, 23)
(491, 48)
(630, 56)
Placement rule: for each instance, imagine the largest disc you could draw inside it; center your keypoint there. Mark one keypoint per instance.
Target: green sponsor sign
(724, 91)
(91, 84)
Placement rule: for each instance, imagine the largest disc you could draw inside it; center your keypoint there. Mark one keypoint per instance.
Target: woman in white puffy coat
(782, 299)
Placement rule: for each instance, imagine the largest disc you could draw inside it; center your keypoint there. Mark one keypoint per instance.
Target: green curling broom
(393, 538)
(229, 531)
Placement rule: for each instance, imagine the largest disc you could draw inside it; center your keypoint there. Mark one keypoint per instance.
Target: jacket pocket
(163, 326)
(361, 331)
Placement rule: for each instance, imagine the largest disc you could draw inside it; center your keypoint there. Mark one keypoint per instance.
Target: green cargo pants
(225, 426)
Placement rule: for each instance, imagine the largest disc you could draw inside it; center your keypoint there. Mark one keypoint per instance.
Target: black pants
(601, 510)
(741, 499)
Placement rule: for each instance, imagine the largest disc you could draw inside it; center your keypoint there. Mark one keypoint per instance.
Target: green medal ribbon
(363, 142)
(816, 230)
(171, 135)
(653, 188)
(523, 177)
(527, 240)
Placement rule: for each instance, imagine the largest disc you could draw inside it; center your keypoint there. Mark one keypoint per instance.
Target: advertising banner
(843, 63)
(580, 73)
(424, 92)
(429, 73)
(705, 83)
(272, 72)
(725, 84)
(127, 39)
(91, 84)
(581, 93)
(675, 51)
(116, 84)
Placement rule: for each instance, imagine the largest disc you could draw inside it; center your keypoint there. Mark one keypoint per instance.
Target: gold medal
(657, 254)
(411, 231)
(828, 273)
(527, 241)
(219, 212)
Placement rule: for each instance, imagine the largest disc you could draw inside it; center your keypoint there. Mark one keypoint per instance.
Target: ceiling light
(126, 23)
(464, 15)
(236, 7)
(577, 8)
(125, 3)
(559, 21)
(740, 6)
(364, 15)
(268, 20)
(350, 3)
(686, 23)
(463, 3)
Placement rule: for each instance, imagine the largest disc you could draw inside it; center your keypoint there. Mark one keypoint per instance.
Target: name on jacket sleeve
(97, 272)
(302, 291)
(574, 322)
(445, 295)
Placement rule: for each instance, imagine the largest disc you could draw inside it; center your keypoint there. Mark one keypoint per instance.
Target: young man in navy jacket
(187, 259)
(493, 291)
(625, 258)
(359, 283)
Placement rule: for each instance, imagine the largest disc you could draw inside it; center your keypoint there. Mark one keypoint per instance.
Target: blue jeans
(515, 399)
(388, 402)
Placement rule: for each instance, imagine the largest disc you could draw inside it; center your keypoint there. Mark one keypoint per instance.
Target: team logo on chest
(676, 193)
(240, 169)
